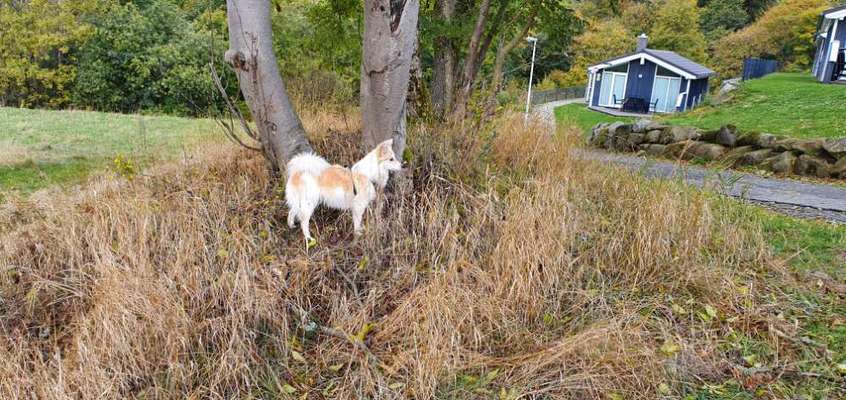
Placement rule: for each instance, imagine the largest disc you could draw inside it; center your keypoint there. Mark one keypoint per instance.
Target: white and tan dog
(312, 181)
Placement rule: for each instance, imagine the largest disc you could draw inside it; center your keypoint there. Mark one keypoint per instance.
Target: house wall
(698, 91)
(640, 79)
(827, 67)
(596, 85)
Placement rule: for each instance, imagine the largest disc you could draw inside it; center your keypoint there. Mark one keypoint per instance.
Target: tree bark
(390, 37)
(444, 69)
(472, 59)
(251, 55)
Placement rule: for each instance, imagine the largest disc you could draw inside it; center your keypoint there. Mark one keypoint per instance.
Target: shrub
(676, 28)
(601, 40)
(146, 58)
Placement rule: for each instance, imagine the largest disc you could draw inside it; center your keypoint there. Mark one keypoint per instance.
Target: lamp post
(534, 42)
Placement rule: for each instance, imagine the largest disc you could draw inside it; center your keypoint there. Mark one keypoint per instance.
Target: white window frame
(614, 75)
(675, 99)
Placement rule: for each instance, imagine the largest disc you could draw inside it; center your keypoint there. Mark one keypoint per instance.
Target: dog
(312, 181)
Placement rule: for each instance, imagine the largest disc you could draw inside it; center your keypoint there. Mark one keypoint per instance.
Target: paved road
(792, 197)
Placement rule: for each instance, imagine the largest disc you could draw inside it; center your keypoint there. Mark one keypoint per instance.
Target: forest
(152, 56)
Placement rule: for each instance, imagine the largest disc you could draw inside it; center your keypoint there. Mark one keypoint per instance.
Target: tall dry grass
(506, 268)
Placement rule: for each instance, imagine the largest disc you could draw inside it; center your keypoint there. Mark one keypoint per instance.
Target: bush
(601, 40)
(146, 58)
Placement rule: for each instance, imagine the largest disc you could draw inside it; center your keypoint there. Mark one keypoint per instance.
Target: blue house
(647, 81)
(830, 60)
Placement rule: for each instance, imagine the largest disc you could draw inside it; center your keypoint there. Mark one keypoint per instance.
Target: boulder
(783, 163)
(727, 136)
(757, 139)
(707, 151)
(644, 125)
(598, 135)
(812, 166)
(754, 157)
(679, 149)
(676, 134)
(733, 155)
(835, 147)
(653, 136)
(634, 139)
(654, 149)
(839, 169)
(709, 136)
(800, 146)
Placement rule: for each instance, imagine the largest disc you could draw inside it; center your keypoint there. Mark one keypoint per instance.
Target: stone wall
(823, 158)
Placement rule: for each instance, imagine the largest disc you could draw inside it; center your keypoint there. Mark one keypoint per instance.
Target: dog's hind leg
(304, 216)
(358, 215)
(292, 216)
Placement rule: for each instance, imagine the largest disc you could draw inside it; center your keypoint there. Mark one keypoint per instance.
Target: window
(665, 72)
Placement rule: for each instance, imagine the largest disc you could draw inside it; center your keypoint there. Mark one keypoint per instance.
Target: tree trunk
(251, 54)
(390, 38)
(470, 61)
(444, 69)
(504, 49)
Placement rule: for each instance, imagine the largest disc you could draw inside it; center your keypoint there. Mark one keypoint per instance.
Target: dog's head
(386, 156)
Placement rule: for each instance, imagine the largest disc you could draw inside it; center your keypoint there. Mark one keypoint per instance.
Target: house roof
(835, 12)
(667, 59)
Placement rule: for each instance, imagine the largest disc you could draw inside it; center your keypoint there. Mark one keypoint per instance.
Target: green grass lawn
(39, 148)
(579, 114)
(789, 104)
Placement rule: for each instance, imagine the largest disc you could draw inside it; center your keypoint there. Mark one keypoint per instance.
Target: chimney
(642, 41)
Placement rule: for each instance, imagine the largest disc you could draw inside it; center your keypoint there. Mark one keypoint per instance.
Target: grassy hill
(42, 148)
(789, 104)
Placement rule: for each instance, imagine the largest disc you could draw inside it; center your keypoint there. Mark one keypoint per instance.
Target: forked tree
(390, 37)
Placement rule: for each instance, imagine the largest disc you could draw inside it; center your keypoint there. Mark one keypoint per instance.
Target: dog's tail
(308, 163)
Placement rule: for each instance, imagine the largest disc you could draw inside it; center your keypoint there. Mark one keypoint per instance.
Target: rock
(783, 163)
(598, 135)
(733, 155)
(709, 136)
(707, 151)
(729, 85)
(654, 149)
(757, 139)
(727, 136)
(835, 147)
(812, 166)
(754, 157)
(644, 125)
(619, 127)
(653, 136)
(678, 149)
(839, 169)
(634, 139)
(766, 140)
(675, 134)
(800, 146)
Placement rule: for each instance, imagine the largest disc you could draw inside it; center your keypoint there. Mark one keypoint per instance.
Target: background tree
(720, 17)
(39, 49)
(676, 28)
(785, 33)
(601, 40)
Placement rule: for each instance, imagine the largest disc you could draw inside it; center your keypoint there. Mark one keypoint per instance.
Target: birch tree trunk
(251, 54)
(390, 37)
(444, 69)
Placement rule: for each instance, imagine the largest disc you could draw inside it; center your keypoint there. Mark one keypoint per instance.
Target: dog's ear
(385, 149)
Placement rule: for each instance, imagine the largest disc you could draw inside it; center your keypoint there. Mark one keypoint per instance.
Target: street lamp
(534, 42)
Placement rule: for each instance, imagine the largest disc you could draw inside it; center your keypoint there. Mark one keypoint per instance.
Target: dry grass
(505, 268)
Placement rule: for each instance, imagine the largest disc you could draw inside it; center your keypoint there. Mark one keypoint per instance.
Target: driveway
(802, 199)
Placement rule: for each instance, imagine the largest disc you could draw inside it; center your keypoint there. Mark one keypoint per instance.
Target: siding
(698, 88)
(640, 87)
(596, 85)
(827, 67)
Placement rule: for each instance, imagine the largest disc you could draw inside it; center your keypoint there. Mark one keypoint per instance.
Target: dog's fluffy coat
(312, 181)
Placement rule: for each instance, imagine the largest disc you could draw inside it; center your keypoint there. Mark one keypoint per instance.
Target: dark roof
(833, 9)
(682, 63)
(674, 59)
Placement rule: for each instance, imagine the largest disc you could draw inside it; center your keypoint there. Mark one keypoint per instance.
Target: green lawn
(579, 114)
(42, 148)
(789, 104)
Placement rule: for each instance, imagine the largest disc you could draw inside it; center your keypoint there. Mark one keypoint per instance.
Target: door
(665, 90)
(613, 85)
